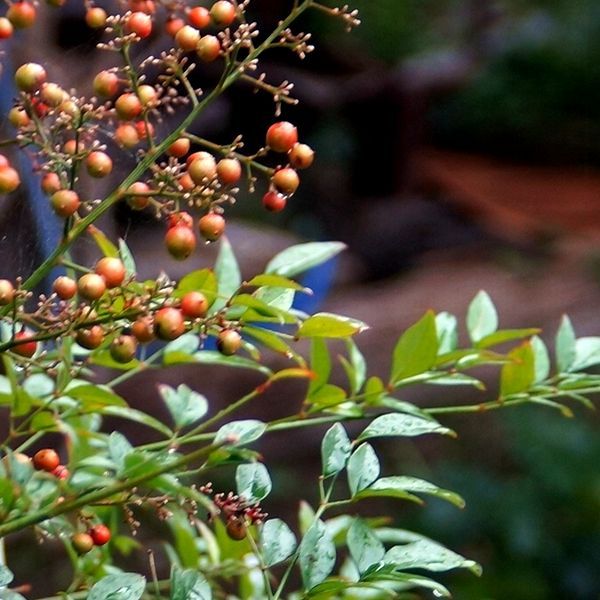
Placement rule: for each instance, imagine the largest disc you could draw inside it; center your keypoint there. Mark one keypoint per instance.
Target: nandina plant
(83, 494)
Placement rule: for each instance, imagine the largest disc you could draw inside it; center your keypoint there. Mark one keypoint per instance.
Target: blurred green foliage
(534, 524)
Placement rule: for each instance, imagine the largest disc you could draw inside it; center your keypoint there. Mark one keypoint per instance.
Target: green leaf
(408, 580)
(106, 246)
(121, 586)
(185, 405)
(137, 416)
(118, 449)
(127, 258)
(320, 364)
(482, 318)
(327, 396)
(277, 281)
(365, 548)
(565, 345)
(277, 542)
(335, 450)
(416, 350)
(188, 343)
(39, 385)
(240, 433)
(204, 281)
(587, 353)
(330, 326)
(301, 257)
(281, 298)
(189, 584)
(212, 357)
(262, 308)
(228, 274)
(447, 332)
(541, 359)
(519, 374)
(356, 369)
(317, 555)
(272, 340)
(93, 396)
(363, 468)
(253, 482)
(306, 516)
(403, 487)
(404, 425)
(6, 576)
(428, 555)
(505, 335)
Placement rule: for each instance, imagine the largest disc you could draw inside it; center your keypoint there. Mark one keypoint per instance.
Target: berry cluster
(237, 513)
(97, 535)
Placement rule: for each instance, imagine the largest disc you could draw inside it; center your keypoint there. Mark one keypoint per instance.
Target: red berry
(147, 95)
(128, 106)
(123, 348)
(229, 171)
(203, 167)
(138, 202)
(222, 13)
(50, 183)
(106, 84)
(7, 292)
(53, 94)
(211, 226)
(100, 534)
(286, 181)
(21, 14)
(98, 164)
(187, 38)
(236, 529)
(4, 161)
(208, 48)
(61, 472)
(173, 25)
(65, 203)
(91, 286)
(112, 270)
(9, 180)
(179, 148)
(6, 28)
(127, 136)
(199, 17)
(95, 17)
(143, 329)
(228, 342)
(180, 218)
(186, 182)
(180, 241)
(282, 136)
(18, 117)
(169, 323)
(64, 287)
(194, 305)
(139, 23)
(301, 156)
(90, 338)
(82, 542)
(145, 6)
(30, 77)
(46, 460)
(274, 202)
(73, 147)
(144, 130)
(26, 348)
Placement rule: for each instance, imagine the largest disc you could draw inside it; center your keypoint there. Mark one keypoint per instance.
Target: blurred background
(458, 146)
